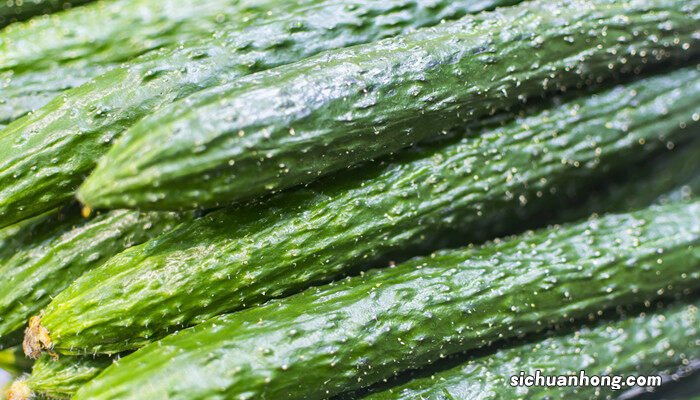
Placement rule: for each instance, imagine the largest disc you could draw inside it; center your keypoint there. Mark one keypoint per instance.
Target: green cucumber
(20, 10)
(672, 177)
(661, 176)
(655, 342)
(362, 330)
(48, 254)
(58, 379)
(292, 124)
(101, 109)
(67, 50)
(107, 33)
(470, 189)
(29, 91)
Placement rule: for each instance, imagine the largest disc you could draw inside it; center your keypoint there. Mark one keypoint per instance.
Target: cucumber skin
(359, 331)
(102, 108)
(250, 254)
(658, 342)
(289, 125)
(48, 254)
(30, 91)
(11, 12)
(69, 49)
(108, 33)
(671, 177)
(61, 378)
(663, 183)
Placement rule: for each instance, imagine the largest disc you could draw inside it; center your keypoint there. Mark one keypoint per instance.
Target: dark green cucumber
(58, 379)
(661, 177)
(362, 330)
(50, 253)
(655, 342)
(102, 109)
(20, 10)
(672, 177)
(470, 189)
(23, 93)
(67, 50)
(289, 125)
(106, 33)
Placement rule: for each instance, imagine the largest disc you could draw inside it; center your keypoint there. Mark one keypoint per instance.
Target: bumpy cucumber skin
(673, 176)
(359, 331)
(116, 31)
(102, 109)
(49, 255)
(470, 190)
(27, 92)
(61, 378)
(67, 50)
(14, 10)
(659, 342)
(289, 125)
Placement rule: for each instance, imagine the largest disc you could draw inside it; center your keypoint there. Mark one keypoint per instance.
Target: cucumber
(289, 125)
(19, 10)
(58, 379)
(672, 177)
(69, 49)
(655, 342)
(29, 91)
(365, 329)
(107, 33)
(102, 109)
(48, 254)
(117, 31)
(470, 189)
(660, 175)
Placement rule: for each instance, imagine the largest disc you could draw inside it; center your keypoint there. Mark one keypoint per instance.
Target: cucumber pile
(348, 199)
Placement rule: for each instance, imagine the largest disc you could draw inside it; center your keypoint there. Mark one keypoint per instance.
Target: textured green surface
(48, 254)
(41, 58)
(658, 341)
(676, 173)
(357, 332)
(672, 176)
(18, 10)
(102, 109)
(110, 32)
(471, 189)
(63, 377)
(20, 94)
(289, 125)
